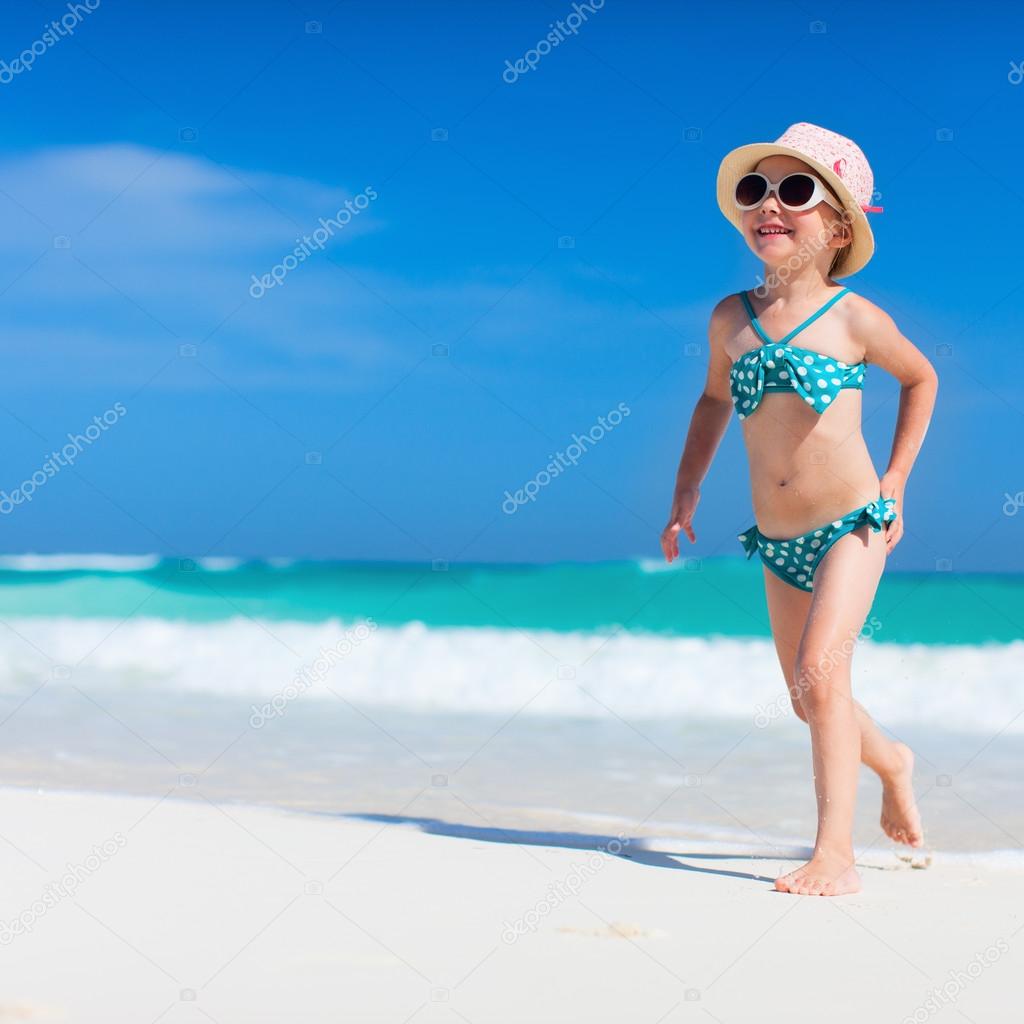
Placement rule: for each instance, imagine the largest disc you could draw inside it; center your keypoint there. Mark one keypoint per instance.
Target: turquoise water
(715, 597)
(551, 696)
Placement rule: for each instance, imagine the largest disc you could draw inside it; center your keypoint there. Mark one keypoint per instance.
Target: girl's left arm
(886, 347)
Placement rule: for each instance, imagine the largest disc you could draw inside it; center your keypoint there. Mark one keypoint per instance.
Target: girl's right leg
(891, 760)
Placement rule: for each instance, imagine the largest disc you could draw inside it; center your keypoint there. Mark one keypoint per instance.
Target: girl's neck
(801, 286)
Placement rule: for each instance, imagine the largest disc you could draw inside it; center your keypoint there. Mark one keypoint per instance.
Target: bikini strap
(814, 316)
(755, 323)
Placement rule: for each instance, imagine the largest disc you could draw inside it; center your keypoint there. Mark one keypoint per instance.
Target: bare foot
(900, 818)
(825, 874)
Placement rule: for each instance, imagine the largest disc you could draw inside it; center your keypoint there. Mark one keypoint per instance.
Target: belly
(807, 469)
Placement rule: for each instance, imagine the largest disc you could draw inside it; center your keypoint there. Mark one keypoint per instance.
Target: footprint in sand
(10, 1013)
(920, 861)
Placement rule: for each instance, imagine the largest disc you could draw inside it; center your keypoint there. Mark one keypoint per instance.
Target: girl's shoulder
(727, 311)
(864, 320)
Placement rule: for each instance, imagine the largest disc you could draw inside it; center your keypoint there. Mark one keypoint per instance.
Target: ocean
(626, 696)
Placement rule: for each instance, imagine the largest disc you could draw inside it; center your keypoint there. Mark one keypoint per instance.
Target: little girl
(824, 521)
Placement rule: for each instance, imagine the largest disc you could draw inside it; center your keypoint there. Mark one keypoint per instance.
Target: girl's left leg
(845, 582)
(891, 760)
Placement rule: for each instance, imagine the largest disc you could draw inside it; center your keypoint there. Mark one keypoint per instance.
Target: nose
(770, 203)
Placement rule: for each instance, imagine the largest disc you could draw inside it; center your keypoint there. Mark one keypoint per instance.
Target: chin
(775, 249)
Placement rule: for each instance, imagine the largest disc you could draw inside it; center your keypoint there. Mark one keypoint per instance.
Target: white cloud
(104, 196)
(163, 246)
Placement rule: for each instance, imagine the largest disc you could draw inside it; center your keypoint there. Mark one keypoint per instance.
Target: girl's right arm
(708, 424)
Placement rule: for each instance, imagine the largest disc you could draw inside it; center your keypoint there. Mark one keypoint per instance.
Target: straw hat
(836, 159)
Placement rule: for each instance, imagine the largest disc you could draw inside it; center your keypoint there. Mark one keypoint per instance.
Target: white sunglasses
(797, 191)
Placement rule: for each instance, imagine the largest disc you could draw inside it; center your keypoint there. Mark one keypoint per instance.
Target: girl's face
(775, 234)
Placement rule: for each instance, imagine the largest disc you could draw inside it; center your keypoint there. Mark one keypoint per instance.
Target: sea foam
(959, 688)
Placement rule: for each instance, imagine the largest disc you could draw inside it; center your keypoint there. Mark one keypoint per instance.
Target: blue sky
(381, 400)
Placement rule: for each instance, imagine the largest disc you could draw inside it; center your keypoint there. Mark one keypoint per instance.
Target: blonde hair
(847, 222)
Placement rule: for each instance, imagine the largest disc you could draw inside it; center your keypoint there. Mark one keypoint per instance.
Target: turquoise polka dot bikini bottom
(795, 559)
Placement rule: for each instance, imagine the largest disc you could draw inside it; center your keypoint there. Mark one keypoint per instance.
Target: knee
(815, 687)
(798, 707)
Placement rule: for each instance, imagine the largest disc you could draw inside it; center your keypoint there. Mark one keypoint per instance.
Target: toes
(789, 881)
(803, 883)
(900, 834)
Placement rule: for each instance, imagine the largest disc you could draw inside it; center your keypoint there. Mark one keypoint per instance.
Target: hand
(892, 485)
(684, 504)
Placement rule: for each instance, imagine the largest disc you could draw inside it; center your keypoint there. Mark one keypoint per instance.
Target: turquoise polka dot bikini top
(779, 366)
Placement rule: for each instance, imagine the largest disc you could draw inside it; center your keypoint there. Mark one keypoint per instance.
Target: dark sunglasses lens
(750, 189)
(796, 190)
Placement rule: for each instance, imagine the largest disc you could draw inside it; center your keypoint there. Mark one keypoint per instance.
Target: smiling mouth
(773, 229)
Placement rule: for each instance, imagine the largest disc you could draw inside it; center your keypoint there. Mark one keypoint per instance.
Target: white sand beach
(134, 909)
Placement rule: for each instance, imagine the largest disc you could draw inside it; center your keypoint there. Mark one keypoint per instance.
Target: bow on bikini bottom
(794, 560)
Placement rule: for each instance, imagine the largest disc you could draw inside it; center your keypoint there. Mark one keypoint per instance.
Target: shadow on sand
(614, 846)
